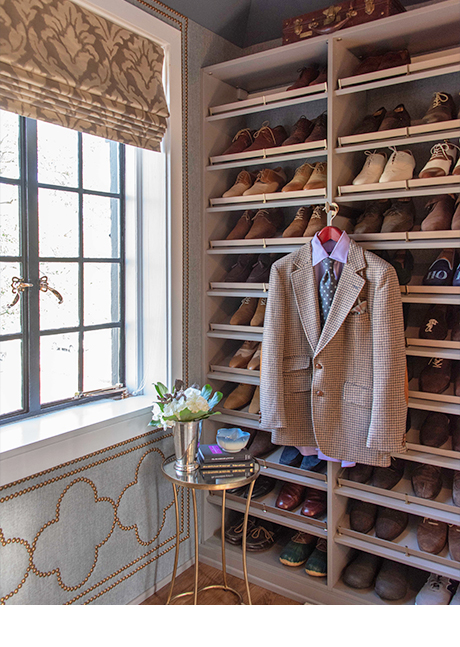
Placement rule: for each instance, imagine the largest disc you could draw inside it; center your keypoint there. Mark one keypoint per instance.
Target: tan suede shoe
(242, 356)
(245, 312)
(254, 362)
(243, 181)
(268, 181)
(254, 407)
(318, 178)
(301, 177)
(259, 314)
(242, 227)
(298, 225)
(266, 223)
(317, 221)
(240, 397)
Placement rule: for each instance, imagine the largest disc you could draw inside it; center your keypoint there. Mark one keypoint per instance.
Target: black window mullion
(80, 263)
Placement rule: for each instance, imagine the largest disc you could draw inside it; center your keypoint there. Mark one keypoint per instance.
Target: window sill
(36, 444)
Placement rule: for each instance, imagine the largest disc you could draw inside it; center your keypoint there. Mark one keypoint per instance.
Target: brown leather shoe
(299, 224)
(266, 223)
(388, 477)
(360, 473)
(321, 78)
(390, 523)
(245, 312)
(455, 431)
(436, 376)
(432, 535)
(427, 481)
(397, 118)
(317, 221)
(262, 536)
(434, 431)
(454, 542)
(244, 180)
(394, 59)
(267, 137)
(456, 489)
(319, 129)
(306, 76)
(240, 142)
(254, 362)
(456, 217)
(362, 515)
(371, 123)
(442, 108)
(301, 176)
(290, 496)
(439, 210)
(262, 444)
(254, 405)
(268, 181)
(399, 217)
(234, 529)
(368, 65)
(240, 271)
(362, 571)
(242, 227)
(391, 582)
(318, 177)
(455, 323)
(242, 356)
(315, 503)
(302, 128)
(240, 397)
(434, 325)
(259, 313)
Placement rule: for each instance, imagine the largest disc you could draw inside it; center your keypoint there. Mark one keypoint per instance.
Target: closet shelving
(246, 92)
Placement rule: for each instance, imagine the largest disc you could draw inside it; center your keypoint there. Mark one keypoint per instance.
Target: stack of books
(215, 462)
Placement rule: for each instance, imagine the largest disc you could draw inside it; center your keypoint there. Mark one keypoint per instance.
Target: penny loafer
(362, 515)
(315, 503)
(434, 431)
(432, 535)
(391, 581)
(360, 473)
(436, 376)
(298, 549)
(362, 571)
(388, 477)
(290, 496)
(262, 536)
(316, 565)
(390, 523)
(427, 481)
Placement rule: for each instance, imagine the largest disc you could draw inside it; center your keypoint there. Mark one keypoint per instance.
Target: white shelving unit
(246, 92)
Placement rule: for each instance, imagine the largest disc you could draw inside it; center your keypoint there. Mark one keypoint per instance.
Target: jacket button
(319, 393)
(318, 365)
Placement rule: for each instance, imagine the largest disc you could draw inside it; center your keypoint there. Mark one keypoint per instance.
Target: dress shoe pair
(433, 536)
(249, 140)
(251, 312)
(426, 481)
(442, 162)
(292, 495)
(382, 119)
(382, 62)
(442, 213)
(263, 485)
(308, 131)
(262, 224)
(241, 396)
(247, 356)
(383, 216)
(309, 75)
(389, 523)
(257, 183)
(437, 322)
(379, 169)
(438, 590)
(307, 177)
(437, 375)
(390, 579)
(443, 271)
(251, 268)
(307, 222)
(261, 535)
(435, 431)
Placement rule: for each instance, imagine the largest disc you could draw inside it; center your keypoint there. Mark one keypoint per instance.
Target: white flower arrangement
(181, 405)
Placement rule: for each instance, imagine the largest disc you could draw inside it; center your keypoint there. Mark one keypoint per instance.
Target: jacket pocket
(296, 374)
(356, 394)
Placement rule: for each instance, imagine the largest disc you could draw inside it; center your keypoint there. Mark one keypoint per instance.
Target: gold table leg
(195, 520)
(176, 556)
(245, 529)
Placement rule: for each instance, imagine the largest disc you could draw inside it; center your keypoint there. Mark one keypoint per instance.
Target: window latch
(17, 286)
(44, 287)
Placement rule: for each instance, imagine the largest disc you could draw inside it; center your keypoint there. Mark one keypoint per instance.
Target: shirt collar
(339, 252)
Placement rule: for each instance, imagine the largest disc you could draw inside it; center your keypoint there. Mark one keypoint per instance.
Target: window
(62, 213)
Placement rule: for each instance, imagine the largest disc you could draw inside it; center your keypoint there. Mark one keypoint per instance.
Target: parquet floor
(209, 575)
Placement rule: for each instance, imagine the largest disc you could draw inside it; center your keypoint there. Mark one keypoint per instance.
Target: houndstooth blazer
(341, 388)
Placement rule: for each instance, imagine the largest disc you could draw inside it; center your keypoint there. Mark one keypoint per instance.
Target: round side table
(195, 481)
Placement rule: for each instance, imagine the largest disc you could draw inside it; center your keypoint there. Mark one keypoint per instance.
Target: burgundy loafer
(315, 503)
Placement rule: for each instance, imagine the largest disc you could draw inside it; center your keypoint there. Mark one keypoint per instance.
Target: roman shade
(64, 64)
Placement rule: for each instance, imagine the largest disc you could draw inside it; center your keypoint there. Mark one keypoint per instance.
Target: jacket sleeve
(389, 406)
(271, 375)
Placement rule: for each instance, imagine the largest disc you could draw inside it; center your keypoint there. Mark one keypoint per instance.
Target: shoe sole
(288, 563)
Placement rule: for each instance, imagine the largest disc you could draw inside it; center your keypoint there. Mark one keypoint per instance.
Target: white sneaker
(400, 166)
(443, 157)
(372, 169)
(436, 590)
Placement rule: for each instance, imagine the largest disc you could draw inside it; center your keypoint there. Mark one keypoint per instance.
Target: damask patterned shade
(66, 65)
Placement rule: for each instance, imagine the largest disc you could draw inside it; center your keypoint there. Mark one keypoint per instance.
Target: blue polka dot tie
(327, 288)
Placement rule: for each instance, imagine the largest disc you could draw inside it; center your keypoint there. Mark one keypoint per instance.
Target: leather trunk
(335, 17)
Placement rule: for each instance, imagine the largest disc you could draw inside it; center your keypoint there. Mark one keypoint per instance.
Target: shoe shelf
(431, 455)
(369, 596)
(238, 290)
(278, 198)
(401, 188)
(264, 508)
(432, 405)
(270, 465)
(447, 397)
(406, 544)
(278, 201)
(399, 137)
(242, 333)
(438, 66)
(239, 417)
(434, 351)
(442, 299)
(316, 149)
(239, 375)
(417, 288)
(269, 100)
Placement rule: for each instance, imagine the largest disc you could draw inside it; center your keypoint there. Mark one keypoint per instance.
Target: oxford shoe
(299, 224)
(434, 431)
(362, 515)
(436, 375)
(390, 523)
(442, 108)
(318, 220)
(301, 130)
(388, 477)
(306, 76)
(399, 217)
(301, 176)
(265, 223)
(259, 313)
(244, 354)
(244, 180)
(315, 503)
(245, 312)
(432, 535)
(371, 123)
(362, 571)
(267, 137)
(242, 227)
(290, 496)
(319, 130)
(397, 118)
(240, 142)
(241, 270)
(426, 481)
(267, 181)
(260, 271)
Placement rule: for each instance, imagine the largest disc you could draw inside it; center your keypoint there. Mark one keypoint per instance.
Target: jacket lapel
(303, 283)
(348, 288)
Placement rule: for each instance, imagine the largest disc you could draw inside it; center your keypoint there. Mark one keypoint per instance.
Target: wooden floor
(209, 575)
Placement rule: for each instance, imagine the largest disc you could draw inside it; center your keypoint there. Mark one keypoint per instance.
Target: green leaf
(216, 398)
(185, 414)
(161, 389)
(206, 391)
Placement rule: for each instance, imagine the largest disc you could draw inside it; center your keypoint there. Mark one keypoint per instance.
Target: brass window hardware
(44, 287)
(18, 285)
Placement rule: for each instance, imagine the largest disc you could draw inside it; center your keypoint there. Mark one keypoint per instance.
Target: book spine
(224, 472)
(224, 459)
(226, 466)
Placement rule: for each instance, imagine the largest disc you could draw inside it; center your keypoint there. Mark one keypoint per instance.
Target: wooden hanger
(330, 232)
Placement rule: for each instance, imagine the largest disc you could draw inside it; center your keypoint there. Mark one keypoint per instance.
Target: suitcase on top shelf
(335, 17)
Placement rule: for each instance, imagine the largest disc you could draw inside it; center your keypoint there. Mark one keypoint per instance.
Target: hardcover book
(208, 454)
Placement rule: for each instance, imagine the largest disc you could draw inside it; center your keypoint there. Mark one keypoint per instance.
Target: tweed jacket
(342, 388)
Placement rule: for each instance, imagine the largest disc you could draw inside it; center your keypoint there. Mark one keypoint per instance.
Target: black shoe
(403, 262)
(441, 272)
(434, 325)
(371, 123)
(260, 272)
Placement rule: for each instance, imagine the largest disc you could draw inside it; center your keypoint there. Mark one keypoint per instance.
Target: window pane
(10, 235)
(9, 145)
(58, 367)
(100, 164)
(100, 359)
(10, 319)
(10, 376)
(101, 289)
(101, 237)
(63, 277)
(58, 223)
(57, 155)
